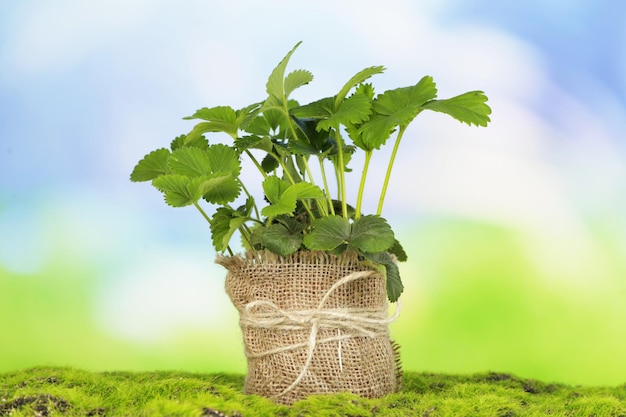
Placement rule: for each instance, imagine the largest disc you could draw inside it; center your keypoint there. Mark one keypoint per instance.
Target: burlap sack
(312, 323)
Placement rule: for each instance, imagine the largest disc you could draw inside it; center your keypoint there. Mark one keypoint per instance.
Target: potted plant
(313, 283)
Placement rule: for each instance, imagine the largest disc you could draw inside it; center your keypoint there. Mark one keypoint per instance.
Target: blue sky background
(516, 233)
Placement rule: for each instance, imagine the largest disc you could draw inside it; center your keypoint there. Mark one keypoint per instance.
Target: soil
(42, 405)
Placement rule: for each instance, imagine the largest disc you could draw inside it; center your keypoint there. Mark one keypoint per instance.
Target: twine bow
(362, 322)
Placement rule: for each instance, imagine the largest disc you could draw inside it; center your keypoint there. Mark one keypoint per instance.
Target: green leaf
(280, 240)
(396, 108)
(353, 110)
(398, 251)
(269, 163)
(202, 128)
(224, 224)
(310, 140)
(274, 187)
(219, 189)
(299, 147)
(215, 160)
(275, 118)
(285, 205)
(178, 189)
(358, 78)
(328, 233)
(246, 209)
(392, 273)
(467, 108)
(348, 150)
(247, 114)
(220, 228)
(180, 141)
(319, 109)
(280, 203)
(223, 160)
(254, 142)
(374, 133)
(356, 134)
(218, 119)
(283, 196)
(403, 103)
(151, 166)
(259, 126)
(288, 164)
(304, 190)
(394, 282)
(218, 113)
(190, 161)
(367, 89)
(296, 79)
(356, 109)
(371, 234)
(275, 84)
(337, 207)
(235, 224)
(366, 234)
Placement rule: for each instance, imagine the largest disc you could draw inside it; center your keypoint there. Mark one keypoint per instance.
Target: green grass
(46, 391)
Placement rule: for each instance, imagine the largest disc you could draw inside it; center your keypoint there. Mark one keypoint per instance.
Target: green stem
(206, 217)
(389, 168)
(359, 199)
(285, 170)
(326, 189)
(256, 163)
(321, 207)
(245, 234)
(281, 163)
(285, 110)
(342, 175)
(289, 121)
(307, 169)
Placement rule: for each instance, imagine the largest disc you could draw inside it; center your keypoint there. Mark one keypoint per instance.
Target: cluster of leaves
(282, 138)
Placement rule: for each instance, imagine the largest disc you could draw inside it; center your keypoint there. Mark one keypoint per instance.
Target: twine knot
(349, 323)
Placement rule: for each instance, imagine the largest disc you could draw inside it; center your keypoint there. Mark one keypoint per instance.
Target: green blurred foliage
(482, 303)
(475, 301)
(48, 319)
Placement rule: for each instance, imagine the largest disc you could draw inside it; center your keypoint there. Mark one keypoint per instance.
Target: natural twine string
(358, 322)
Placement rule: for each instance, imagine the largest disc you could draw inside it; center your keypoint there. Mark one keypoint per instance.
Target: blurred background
(516, 234)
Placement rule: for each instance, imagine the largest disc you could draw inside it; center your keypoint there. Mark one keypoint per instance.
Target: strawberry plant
(299, 151)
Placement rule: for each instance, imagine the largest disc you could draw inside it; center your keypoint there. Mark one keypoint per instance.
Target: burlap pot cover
(312, 323)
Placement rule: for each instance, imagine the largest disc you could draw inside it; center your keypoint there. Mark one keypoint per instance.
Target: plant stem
(326, 189)
(321, 207)
(359, 199)
(389, 168)
(256, 163)
(307, 169)
(206, 217)
(286, 171)
(341, 174)
(285, 110)
(245, 234)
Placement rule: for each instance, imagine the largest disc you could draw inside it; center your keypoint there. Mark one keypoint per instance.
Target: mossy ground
(63, 391)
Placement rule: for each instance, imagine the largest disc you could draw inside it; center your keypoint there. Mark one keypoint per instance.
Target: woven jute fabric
(312, 323)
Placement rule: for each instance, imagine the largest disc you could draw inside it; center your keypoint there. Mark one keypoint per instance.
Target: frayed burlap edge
(348, 258)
